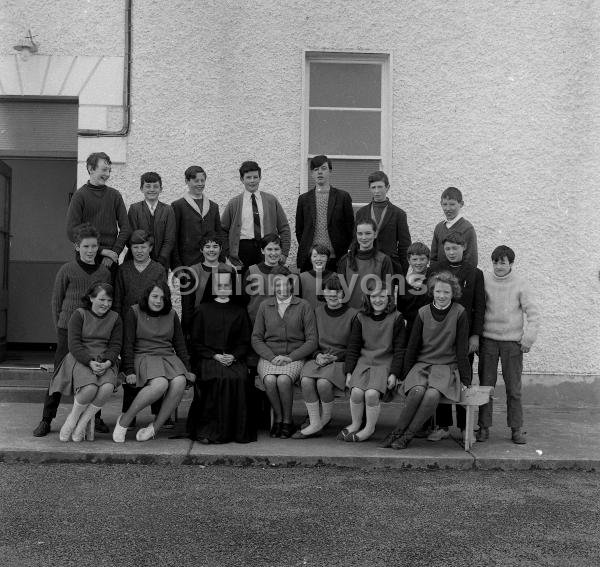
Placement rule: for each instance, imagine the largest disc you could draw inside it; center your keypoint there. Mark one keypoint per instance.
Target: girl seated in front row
(373, 360)
(325, 371)
(90, 368)
(154, 359)
(436, 361)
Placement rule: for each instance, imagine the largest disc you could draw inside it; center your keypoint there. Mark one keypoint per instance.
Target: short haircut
(333, 283)
(367, 308)
(418, 249)
(150, 177)
(268, 238)
(192, 171)
(452, 193)
(447, 278)
(210, 236)
(318, 161)
(503, 252)
(379, 176)
(249, 166)
(92, 160)
(167, 305)
(320, 249)
(455, 238)
(94, 290)
(141, 236)
(85, 230)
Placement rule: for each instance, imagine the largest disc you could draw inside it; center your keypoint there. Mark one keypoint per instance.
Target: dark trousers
(511, 357)
(443, 415)
(249, 253)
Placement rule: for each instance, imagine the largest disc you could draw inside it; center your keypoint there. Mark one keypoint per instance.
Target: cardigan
(462, 227)
(273, 220)
(161, 226)
(103, 208)
(393, 235)
(131, 284)
(70, 285)
(508, 299)
(340, 224)
(190, 227)
(293, 335)
(472, 299)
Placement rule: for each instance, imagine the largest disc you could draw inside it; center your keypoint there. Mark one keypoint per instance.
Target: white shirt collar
(450, 224)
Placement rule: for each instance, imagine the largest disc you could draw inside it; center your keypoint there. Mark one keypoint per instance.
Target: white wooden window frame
(382, 59)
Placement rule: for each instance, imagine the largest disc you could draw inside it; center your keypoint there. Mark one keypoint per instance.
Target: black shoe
(100, 426)
(483, 434)
(401, 443)
(42, 429)
(389, 439)
(276, 429)
(287, 430)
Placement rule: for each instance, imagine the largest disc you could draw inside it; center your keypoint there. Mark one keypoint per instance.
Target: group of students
(366, 311)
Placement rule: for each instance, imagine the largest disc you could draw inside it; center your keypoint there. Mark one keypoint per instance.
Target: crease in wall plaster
(19, 74)
(60, 91)
(45, 75)
(90, 75)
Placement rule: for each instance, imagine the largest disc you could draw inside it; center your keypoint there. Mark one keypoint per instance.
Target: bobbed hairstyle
(333, 283)
(503, 252)
(379, 176)
(452, 193)
(141, 236)
(320, 249)
(167, 305)
(94, 290)
(150, 177)
(418, 249)
(318, 161)
(454, 238)
(447, 278)
(210, 236)
(85, 230)
(366, 306)
(249, 166)
(192, 171)
(92, 160)
(268, 238)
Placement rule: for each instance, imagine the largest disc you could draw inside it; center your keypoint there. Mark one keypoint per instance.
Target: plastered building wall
(498, 99)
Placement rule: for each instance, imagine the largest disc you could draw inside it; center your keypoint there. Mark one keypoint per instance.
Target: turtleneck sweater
(508, 299)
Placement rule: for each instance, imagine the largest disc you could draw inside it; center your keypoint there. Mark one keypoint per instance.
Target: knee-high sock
(372, 417)
(313, 416)
(326, 412)
(356, 411)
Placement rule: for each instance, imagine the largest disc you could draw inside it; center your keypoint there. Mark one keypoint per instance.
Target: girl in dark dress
(154, 359)
(220, 340)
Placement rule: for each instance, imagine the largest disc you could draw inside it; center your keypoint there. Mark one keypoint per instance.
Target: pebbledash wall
(501, 99)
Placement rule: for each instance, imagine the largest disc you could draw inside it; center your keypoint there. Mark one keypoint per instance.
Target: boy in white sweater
(506, 337)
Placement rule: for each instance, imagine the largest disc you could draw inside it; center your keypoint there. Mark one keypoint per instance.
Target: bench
(472, 397)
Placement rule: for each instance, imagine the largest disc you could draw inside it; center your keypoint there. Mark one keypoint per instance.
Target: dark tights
(421, 403)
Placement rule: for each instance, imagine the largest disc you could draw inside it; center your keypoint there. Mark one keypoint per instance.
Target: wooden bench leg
(470, 423)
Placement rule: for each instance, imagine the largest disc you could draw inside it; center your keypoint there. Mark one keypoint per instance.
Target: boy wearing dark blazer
(324, 215)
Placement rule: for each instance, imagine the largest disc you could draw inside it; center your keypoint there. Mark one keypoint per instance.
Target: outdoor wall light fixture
(27, 48)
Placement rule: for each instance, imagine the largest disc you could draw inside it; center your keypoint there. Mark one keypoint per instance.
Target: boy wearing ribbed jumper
(72, 281)
(103, 207)
(452, 204)
(510, 327)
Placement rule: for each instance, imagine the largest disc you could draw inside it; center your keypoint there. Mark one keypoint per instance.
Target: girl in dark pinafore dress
(436, 362)
(373, 361)
(89, 370)
(154, 359)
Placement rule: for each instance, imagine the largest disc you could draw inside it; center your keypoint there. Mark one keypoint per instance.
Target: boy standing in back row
(452, 204)
(505, 336)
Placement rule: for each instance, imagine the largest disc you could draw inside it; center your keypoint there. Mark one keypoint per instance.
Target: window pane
(344, 132)
(354, 85)
(351, 176)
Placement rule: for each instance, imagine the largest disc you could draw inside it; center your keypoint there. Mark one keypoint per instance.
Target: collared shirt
(450, 224)
(247, 231)
(282, 305)
(152, 207)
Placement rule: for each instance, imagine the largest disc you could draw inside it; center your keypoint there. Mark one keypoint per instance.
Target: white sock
(313, 416)
(356, 411)
(71, 421)
(372, 417)
(326, 411)
(86, 416)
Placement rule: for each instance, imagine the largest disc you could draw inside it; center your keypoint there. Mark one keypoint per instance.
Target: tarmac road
(137, 515)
